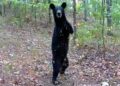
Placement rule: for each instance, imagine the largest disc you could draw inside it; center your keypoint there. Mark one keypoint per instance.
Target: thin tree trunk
(3, 9)
(109, 18)
(25, 8)
(85, 10)
(35, 18)
(74, 19)
(103, 24)
(36, 15)
(49, 1)
(20, 16)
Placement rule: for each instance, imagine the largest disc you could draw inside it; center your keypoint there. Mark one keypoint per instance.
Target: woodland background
(25, 42)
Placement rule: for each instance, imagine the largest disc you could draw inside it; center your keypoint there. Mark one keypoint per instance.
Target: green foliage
(116, 13)
(83, 36)
(89, 34)
(19, 10)
(79, 7)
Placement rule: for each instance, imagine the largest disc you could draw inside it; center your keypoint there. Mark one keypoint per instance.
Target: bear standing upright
(60, 41)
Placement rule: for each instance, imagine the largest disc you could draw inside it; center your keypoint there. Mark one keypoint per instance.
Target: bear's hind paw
(56, 82)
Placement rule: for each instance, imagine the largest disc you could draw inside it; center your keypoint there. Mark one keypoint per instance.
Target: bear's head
(58, 11)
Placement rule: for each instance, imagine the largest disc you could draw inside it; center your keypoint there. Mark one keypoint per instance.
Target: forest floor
(25, 60)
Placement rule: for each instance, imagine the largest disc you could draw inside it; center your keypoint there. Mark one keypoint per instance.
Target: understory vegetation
(26, 28)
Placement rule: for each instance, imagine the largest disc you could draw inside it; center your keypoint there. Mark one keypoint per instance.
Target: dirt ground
(25, 60)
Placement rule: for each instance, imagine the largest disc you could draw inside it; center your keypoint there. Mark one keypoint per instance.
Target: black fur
(60, 41)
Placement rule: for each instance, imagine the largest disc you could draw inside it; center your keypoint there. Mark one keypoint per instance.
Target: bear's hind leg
(65, 65)
(56, 70)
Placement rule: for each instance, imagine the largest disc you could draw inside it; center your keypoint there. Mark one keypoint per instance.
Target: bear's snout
(59, 13)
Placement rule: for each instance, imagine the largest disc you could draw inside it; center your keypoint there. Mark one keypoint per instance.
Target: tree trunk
(3, 9)
(85, 10)
(49, 1)
(25, 8)
(74, 18)
(109, 18)
(35, 17)
(103, 24)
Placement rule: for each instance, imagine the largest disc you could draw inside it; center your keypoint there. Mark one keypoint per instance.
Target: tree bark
(49, 1)
(3, 9)
(85, 10)
(103, 24)
(74, 18)
(109, 18)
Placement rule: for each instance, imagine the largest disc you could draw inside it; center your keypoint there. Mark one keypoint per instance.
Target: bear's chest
(63, 33)
(60, 34)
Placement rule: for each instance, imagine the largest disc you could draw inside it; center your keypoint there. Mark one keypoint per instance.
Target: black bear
(60, 41)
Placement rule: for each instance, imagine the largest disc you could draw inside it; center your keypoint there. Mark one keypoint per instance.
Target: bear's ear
(64, 5)
(52, 6)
